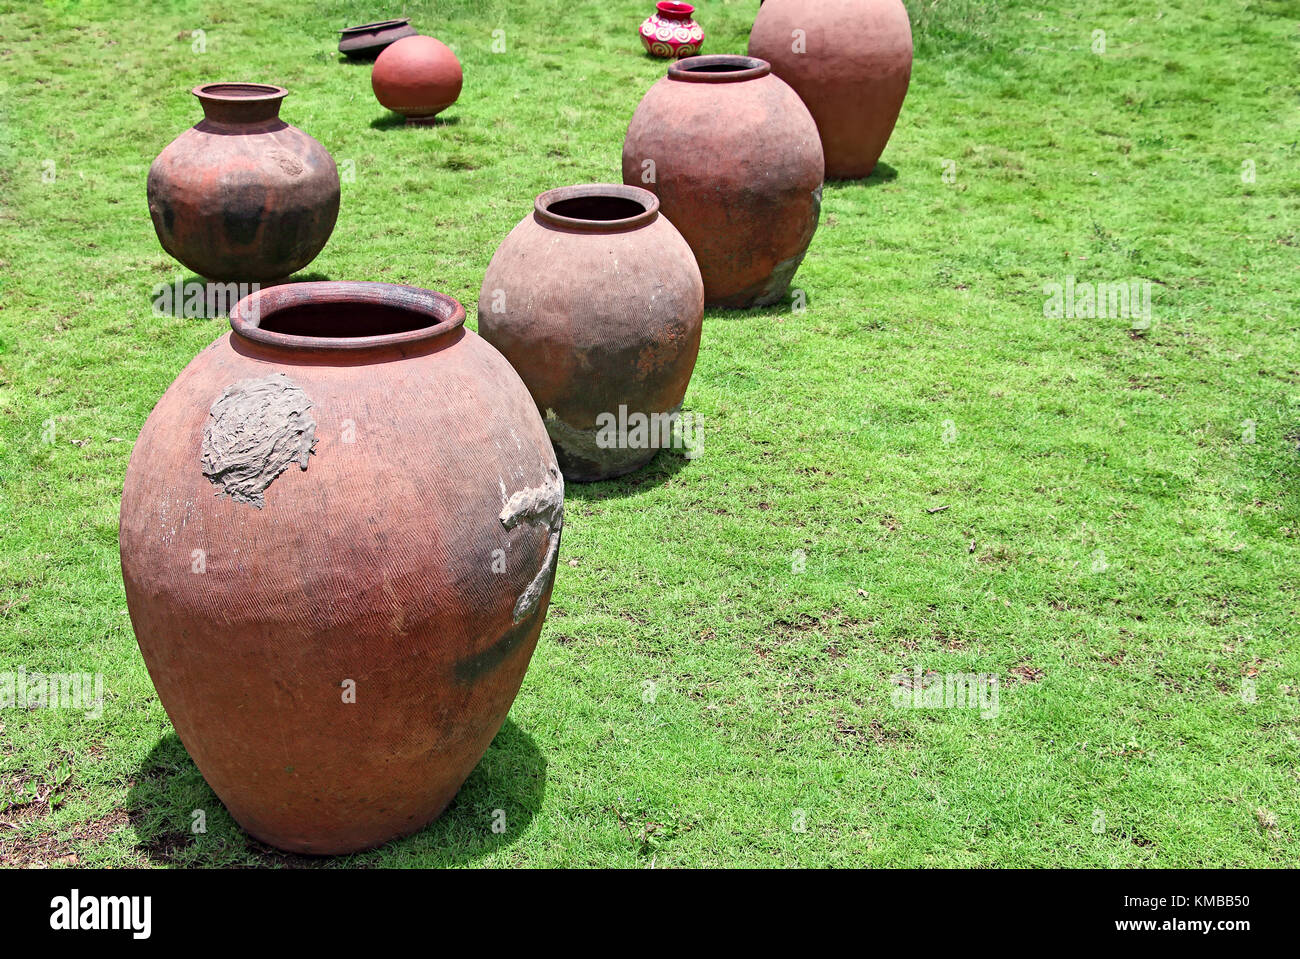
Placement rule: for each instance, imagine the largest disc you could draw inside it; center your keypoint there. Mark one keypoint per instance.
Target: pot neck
(718, 68)
(596, 208)
(239, 104)
(347, 322)
(674, 11)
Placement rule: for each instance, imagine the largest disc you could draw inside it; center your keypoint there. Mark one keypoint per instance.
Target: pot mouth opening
(326, 316)
(377, 25)
(597, 207)
(719, 68)
(669, 6)
(239, 92)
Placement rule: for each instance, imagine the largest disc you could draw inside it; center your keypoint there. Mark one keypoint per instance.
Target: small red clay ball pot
(850, 61)
(243, 196)
(418, 77)
(596, 300)
(670, 31)
(734, 157)
(339, 532)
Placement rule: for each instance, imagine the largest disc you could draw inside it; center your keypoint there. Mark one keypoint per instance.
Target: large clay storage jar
(243, 196)
(734, 157)
(596, 300)
(339, 533)
(850, 61)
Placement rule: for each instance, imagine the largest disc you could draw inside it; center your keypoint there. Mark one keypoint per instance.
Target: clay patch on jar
(255, 431)
(542, 505)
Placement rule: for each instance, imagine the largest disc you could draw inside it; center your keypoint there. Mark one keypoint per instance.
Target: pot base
(583, 460)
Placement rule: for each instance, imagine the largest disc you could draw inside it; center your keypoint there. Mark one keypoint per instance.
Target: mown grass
(1112, 546)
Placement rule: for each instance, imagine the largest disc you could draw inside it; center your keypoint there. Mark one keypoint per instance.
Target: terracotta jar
(339, 532)
(243, 196)
(850, 61)
(734, 158)
(670, 31)
(418, 77)
(596, 300)
(368, 40)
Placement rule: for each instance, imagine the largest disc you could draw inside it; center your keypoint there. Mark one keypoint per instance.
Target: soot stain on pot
(256, 429)
(243, 218)
(472, 668)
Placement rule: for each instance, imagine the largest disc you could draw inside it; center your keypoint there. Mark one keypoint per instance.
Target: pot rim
(543, 202)
(672, 6)
(248, 315)
(741, 68)
(265, 92)
(377, 25)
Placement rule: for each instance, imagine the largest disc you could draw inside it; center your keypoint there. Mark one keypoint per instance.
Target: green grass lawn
(919, 470)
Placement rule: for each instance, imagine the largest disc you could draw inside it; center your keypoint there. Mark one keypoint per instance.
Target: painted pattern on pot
(671, 32)
(597, 301)
(850, 61)
(339, 533)
(243, 196)
(418, 77)
(734, 157)
(368, 40)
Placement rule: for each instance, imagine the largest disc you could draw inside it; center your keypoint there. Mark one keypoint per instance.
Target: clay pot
(243, 196)
(418, 77)
(734, 158)
(670, 31)
(850, 65)
(367, 41)
(596, 300)
(339, 533)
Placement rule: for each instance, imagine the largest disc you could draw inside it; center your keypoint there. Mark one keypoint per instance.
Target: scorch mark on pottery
(543, 505)
(255, 430)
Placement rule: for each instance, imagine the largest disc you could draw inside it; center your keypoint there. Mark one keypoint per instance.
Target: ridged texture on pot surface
(243, 196)
(850, 61)
(311, 516)
(596, 300)
(418, 77)
(734, 157)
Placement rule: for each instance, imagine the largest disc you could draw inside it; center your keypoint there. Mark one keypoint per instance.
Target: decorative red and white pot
(670, 32)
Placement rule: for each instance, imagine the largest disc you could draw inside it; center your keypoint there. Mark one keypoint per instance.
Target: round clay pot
(339, 533)
(734, 158)
(368, 40)
(243, 196)
(596, 300)
(850, 62)
(670, 31)
(418, 77)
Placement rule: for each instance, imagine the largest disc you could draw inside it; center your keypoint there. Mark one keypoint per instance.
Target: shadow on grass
(666, 464)
(506, 787)
(883, 173)
(217, 298)
(795, 296)
(390, 120)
